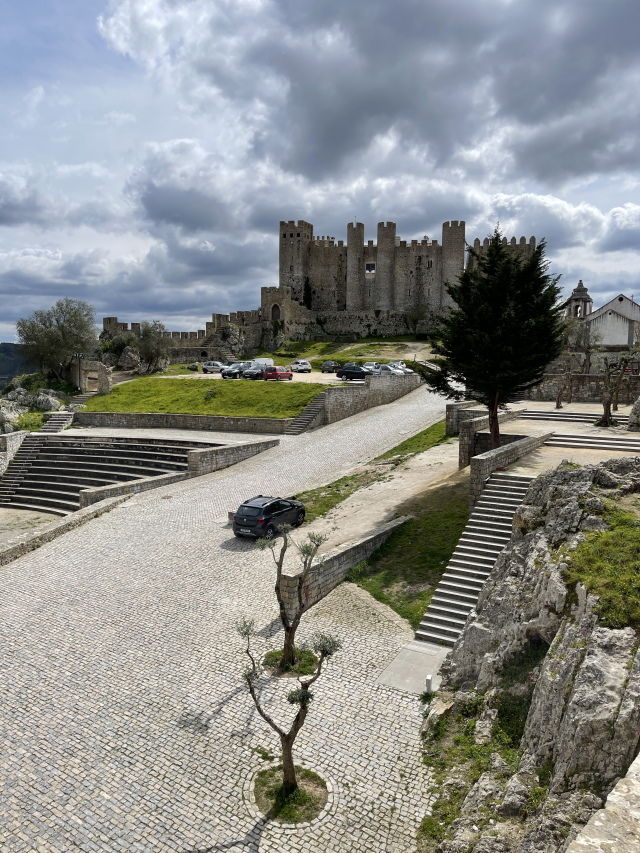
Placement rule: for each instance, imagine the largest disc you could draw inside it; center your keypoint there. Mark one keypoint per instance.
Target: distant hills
(12, 363)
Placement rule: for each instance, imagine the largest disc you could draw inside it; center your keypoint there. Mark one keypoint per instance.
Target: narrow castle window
(429, 264)
(297, 235)
(290, 269)
(369, 268)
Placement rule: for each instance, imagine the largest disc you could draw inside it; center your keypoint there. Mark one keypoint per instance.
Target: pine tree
(505, 329)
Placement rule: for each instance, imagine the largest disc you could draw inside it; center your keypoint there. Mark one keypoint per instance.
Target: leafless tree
(325, 646)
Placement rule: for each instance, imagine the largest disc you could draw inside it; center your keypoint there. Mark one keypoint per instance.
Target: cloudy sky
(149, 148)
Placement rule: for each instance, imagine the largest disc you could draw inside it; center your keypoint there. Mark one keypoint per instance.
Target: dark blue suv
(261, 516)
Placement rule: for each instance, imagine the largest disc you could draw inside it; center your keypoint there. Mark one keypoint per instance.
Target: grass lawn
(405, 571)
(208, 397)
(425, 440)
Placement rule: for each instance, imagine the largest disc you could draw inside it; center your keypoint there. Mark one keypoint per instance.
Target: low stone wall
(199, 461)
(587, 388)
(335, 566)
(616, 827)
(9, 446)
(472, 425)
(482, 466)
(348, 400)
(483, 441)
(454, 414)
(131, 420)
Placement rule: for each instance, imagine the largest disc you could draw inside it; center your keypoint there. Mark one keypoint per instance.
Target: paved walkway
(124, 722)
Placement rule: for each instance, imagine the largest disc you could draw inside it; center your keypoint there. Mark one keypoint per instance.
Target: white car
(300, 366)
(390, 370)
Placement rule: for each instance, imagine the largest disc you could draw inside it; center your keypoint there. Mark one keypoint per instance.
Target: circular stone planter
(250, 802)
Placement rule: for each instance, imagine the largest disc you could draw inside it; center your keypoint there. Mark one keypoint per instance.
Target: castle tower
(355, 266)
(383, 289)
(453, 248)
(580, 303)
(295, 251)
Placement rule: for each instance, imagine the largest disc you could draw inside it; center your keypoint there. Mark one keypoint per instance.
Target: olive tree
(325, 646)
(290, 620)
(51, 337)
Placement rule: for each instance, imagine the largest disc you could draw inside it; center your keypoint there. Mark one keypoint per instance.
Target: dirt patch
(14, 522)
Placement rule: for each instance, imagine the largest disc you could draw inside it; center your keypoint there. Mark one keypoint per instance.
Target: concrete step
(431, 636)
(435, 618)
(453, 604)
(17, 504)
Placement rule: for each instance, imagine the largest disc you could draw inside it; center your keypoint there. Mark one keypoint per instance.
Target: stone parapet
(151, 420)
(454, 412)
(343, 402)
(473, 421)
(335, 566)
(9, 446)
(484, 464)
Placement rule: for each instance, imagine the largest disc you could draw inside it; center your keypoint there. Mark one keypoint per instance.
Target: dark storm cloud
(188, 208)
(20, 202)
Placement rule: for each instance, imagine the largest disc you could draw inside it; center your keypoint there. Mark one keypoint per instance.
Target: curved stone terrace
(125, 723)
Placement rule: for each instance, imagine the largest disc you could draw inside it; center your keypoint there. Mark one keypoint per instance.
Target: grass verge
(234, 398)
(31, 421)
(606, 562)
(425, 440)
(405, 571)
(303, 805)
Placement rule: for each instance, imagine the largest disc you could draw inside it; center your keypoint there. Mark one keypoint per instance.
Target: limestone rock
(193, 366)
(634, 417)
(129, 359)
(516, 796)
(108, 359)
(45, 401)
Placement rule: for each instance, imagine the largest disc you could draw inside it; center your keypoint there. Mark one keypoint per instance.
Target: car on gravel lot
(373, 366)
(235, 370)
(212, 367)
(280, 373)
(330, 366)
(256, 371)
(390, 370)
(261, 516)
(300, 366)
(354, 371)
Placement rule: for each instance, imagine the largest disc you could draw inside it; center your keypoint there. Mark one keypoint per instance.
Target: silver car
(212, 366)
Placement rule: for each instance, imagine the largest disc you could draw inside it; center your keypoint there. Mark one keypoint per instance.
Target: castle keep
(329, 290)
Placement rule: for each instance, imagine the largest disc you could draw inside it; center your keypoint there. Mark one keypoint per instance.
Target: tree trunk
(288, 659)
(606, 405)
(289, 781)
(494, 423)
(560, 394)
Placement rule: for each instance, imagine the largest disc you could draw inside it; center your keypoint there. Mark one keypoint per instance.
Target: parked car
(300, 366)
(212, 366)
(280, 373)
(236, 370)
(256, 371)
(397, 364)
(390, 370)
(330, 366)
(353, 372)
(373, 366)
(261, 516)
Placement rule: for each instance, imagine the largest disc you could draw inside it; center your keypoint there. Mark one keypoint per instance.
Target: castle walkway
(125, 724)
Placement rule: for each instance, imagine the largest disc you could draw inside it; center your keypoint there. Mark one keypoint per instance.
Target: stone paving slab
(124, 722)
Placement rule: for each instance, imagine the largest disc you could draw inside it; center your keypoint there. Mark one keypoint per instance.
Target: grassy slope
(189, 396)
(405, 571)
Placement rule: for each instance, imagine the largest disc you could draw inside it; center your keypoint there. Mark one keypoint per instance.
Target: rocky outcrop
(129, 359)
(579, 680)
(633, 424)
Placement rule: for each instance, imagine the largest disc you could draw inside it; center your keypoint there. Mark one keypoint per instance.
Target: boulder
(634, 417)
(46, 402)
(108, 359)
(129, 359)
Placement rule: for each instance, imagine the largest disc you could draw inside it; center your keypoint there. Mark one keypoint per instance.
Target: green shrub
(31, 421)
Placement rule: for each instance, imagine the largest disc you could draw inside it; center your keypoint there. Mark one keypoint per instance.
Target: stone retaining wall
(616, 827)
(9, 446)
(472, 425)
(482, 466)
(131, 420)
(587, 388)
(335, 566)
(342, 402)
(199, 461)
(455, 412)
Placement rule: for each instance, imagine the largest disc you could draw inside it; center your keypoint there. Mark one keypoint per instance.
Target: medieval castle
(331, 291)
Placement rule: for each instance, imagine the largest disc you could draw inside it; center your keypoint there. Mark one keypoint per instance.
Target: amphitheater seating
(48, 472)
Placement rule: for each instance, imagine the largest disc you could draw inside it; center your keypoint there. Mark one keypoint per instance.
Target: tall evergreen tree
(505, 329)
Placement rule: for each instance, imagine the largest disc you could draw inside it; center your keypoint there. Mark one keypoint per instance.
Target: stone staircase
(48, 472)
(486, 534)
(57, 422)
(568, 417)
(619, 444)
(307, 415)
(81, 399)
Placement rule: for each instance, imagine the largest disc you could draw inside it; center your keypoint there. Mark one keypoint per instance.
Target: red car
(277, 373)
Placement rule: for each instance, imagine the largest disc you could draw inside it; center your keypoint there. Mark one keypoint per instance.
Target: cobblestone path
(124, 722)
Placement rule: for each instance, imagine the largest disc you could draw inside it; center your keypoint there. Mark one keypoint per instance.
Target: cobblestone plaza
(125, 722)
